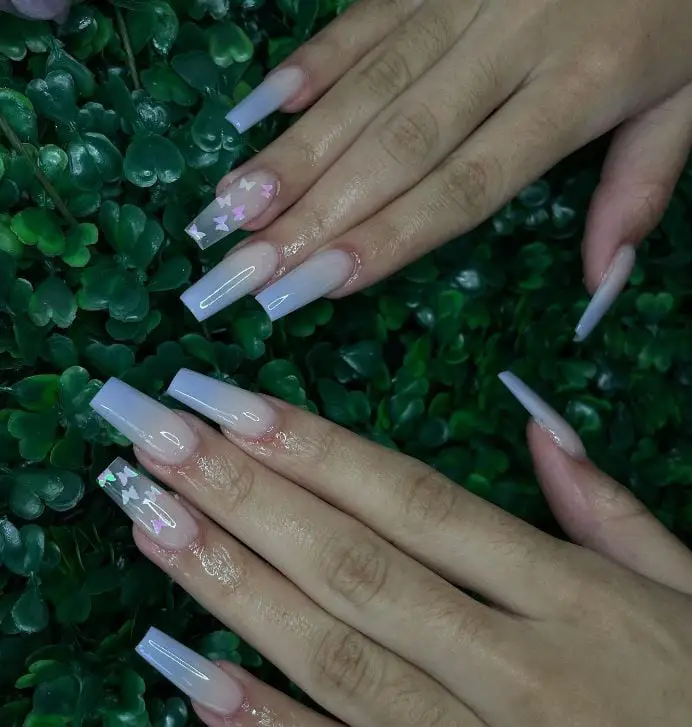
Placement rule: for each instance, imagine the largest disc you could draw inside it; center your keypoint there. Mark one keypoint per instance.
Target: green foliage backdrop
(113, 138)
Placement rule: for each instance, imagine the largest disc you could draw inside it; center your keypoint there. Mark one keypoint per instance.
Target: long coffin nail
(611, 286)
(269, 96)
(164, 519)
(241, 202)
(199, 678)
(545, 416)
(319, 275)
(145, 422)
(237, 275)
(243, 412)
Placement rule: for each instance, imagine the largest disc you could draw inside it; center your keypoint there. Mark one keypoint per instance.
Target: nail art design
(145, 422)
(239, 274)
(243, 412)
(195, 676)
(610, 288)
(155, 511)
(544, 415)
(316, 277)
(270, 95)
(247, 198)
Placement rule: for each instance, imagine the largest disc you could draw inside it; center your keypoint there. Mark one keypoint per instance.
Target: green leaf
(210, 131)
(94, 160)
(59, 60)
(53, 301)
(23, 549)
(39, 227)
(165, 27)
(152, 158)
(282, 379)
(171, 275)
(38, 392)
(19, 113)
(78, 239)
(30, 613)
(54, 96)
(35, 432)
(113, 360)
(229, 44)
(164, 84)
(197, 69)
(131, 233)
(74, 609)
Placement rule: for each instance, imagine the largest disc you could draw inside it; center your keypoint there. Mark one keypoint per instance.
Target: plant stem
(8, 131)
(122, 28)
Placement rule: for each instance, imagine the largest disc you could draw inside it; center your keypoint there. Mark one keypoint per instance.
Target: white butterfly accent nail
(151, 493)
(194, 232)
(221, 223)
(126, 474)
(224, 201)
(128, 495)
(244, 184)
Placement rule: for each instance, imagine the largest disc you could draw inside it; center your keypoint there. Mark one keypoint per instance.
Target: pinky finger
(644, 163)
(223, 695)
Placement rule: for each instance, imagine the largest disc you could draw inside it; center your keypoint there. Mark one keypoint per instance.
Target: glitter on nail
(239, 213)
(158, 525)
(267, 190)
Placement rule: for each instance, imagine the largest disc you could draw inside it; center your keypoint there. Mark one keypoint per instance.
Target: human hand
(427, 116)
(341, 561)
(37, 9)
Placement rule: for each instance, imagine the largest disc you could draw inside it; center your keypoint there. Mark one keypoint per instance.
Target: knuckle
(433, 33)
(386, 76)
(410, 137)
(345, 661)
(428, 499)
(354, 566)
(470, 185)
(413, 702)
(321, 447)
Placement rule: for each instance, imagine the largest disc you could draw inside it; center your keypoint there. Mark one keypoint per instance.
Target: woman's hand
(37, 9)
(342, 562)
(426, 116)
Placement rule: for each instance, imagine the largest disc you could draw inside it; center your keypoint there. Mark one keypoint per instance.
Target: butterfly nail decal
(244, 184)
(224, 201)
(158, 524)
(105, 477)
(221, 225)
(195, 233)
(267, 190)
(239, 213)
(151, 493)
(126, 474)
(130, 494)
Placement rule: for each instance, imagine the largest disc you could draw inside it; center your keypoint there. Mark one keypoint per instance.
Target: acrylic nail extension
(235, 276)
(318, 276)
(199, 678)
(545, 416)
(145, 422)
(163, 518)
(611, 286)
(243, 412)
(269, 96)
(240, 203)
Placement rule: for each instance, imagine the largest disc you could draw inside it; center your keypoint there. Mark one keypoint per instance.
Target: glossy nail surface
(241, 202)
(611, 286)
(199, 678)
(148, 424)
(163, 518)
(237, 275)
(243, 412)
(269, 96)
(544, 415)
(319, 275)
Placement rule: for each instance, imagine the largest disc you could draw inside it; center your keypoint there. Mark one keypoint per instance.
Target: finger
(644, 163)
(317, 140)
(348, 674)
(440, 524)
(223, 694)
(334, 560)
(593, 509)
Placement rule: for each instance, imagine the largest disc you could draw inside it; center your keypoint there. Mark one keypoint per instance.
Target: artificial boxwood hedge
(113, 138)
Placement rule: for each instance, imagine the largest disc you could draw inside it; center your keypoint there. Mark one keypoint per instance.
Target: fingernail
(235, 276)
(611, 286)
(165, 520)
(270, 95)
(199, 678)
(545, 416)
(240, 203)
(316, 277)
(243, 412)
(145, 422)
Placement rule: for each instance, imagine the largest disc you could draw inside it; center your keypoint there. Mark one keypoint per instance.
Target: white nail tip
(610, 288)
(318, 276)
(544, 415)
(269, 96)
